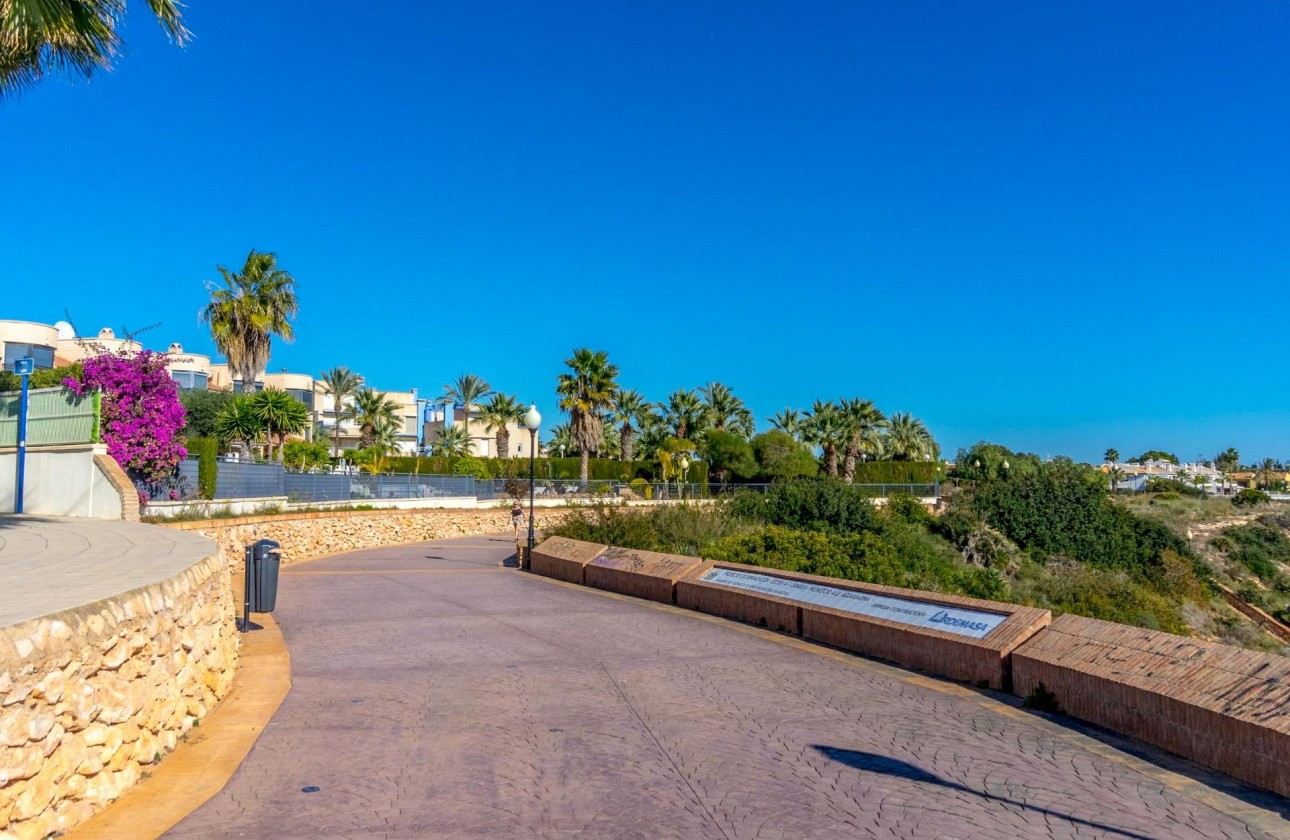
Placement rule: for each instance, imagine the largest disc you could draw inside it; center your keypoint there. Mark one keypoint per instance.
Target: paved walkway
(438, 695)
(53, 563)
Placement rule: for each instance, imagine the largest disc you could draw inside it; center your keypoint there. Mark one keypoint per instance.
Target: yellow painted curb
(201, 766)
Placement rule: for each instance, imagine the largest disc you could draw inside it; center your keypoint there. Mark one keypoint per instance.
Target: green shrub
(1178, 488)
(202, 410)
(48, 378)
(471, 465)
(1259, 546)
(897, 556)
(207, 451)
(825, 504)
(1249, 497)
(1107, 594)
(303, 454)
(1062, 509)
(909, 509)
(1167, 496)
(611, 525)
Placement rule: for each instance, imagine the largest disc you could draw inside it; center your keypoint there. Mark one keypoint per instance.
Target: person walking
(517, 518)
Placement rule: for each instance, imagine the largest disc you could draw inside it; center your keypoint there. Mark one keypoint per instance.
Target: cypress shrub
(206, 449)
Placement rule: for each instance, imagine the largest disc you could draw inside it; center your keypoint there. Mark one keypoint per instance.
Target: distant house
(1135, 476)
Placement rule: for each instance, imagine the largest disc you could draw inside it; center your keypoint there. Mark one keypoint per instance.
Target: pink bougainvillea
(141, 415)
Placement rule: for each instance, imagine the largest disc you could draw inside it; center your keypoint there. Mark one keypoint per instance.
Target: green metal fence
(54, 416)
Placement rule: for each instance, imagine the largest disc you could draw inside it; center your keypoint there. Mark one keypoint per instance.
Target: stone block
(564, 559)
(1215, 704)
(642, 574)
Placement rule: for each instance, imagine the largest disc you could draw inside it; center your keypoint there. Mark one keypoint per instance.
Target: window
(190, 380)
(13, 351)
(256, 386)
(305, 396)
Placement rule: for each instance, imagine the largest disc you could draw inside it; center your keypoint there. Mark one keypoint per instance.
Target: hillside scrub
(1045, 535)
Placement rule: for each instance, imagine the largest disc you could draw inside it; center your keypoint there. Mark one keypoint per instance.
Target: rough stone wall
(91, 697)
(305, 535)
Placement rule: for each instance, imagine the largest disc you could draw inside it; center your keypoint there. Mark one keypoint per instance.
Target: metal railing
(55, 416)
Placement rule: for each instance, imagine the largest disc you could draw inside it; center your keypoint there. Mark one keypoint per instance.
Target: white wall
(60, 481)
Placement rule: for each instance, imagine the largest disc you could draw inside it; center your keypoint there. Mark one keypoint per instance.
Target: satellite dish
(65, 330)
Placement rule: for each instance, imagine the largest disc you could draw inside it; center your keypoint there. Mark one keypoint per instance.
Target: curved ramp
(437, 693)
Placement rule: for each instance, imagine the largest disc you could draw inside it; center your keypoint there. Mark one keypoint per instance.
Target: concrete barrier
(642, 574)
(1222, 706)
(564, 559)
(757, 608)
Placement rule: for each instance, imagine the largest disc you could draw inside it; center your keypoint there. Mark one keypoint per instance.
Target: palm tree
(865, 423)
(726, 412)
(1266, 474)
(239, 422)
(561, 442)
(386, 437)
(1226, 462)
(257, 304)
(77, 36)
(281, 414)
(1112, 457)
(585, 393)
(908, 439)
(341, 383)
(497, 413)
(453, 442)
(789, 421)
(373, 409)
(684, 412)
(826, 428)
(654, 433)
(629, 406)
(466, 391)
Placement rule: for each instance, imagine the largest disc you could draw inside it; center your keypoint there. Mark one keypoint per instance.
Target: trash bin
(261, 589)
(265, 589)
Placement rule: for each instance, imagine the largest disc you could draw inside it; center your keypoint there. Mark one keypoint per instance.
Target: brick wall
(642, 574)
(1222, 706)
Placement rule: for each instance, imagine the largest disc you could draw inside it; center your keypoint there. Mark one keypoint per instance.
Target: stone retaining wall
(306, 535)
(91, 697)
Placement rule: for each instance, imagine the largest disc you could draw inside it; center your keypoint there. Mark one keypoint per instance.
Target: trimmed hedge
(207, 450)
(599, 469)
(896, 472)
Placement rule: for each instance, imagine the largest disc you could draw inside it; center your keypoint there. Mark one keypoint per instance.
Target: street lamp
(680, 485)
(24, 367)
(532, 421)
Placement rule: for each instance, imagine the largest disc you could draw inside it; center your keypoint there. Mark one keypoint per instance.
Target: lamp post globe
(532, 422)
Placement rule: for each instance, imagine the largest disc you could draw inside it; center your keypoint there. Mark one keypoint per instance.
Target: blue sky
(1056, 227)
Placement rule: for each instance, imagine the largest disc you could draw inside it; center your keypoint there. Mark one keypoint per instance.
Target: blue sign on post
(23, 367)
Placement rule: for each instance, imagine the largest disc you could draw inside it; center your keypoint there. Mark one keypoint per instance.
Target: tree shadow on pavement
(873, 763)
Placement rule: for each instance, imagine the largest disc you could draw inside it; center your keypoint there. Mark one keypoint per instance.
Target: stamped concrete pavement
(436, 694)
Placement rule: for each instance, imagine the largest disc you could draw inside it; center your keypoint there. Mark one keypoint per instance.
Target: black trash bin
(261, 590)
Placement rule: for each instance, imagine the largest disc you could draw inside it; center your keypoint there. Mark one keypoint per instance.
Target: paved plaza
(437, 694)
(54, 563)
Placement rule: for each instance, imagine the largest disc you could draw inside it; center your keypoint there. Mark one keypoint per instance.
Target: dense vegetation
(1044, 534)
